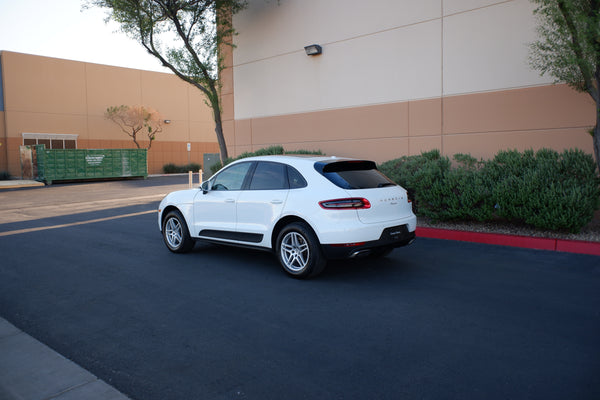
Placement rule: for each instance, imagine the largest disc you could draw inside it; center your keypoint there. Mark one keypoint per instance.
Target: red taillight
(354, 203)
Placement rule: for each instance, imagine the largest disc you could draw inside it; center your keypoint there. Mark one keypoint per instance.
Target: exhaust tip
(360, 253)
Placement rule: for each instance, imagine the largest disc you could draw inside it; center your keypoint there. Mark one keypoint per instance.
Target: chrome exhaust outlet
(360, 253)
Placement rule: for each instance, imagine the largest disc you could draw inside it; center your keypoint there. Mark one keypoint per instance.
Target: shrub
(462, 194)
(420, 176)
(552, 191)
(179, 169)
(544, 189)
(4, 176)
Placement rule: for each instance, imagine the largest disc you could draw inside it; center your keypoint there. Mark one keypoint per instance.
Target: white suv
(305, 209)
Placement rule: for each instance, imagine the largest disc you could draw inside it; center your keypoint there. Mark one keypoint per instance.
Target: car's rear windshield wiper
(386, 184)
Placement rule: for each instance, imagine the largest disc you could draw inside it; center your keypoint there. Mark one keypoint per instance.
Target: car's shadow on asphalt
(262, 262)
(237, 258)
(383, 268)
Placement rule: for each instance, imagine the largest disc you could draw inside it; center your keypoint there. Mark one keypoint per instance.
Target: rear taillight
(354, 203)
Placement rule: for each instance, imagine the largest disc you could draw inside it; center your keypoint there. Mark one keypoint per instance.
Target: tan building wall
(395, 78)
(54, 96)
(3, 160)
(480, 124)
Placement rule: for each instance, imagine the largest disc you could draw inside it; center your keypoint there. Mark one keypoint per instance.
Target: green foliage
(178, 169)
(305, 152)
(467, 161)
(462, 194)
(268, 151)
(419, 175)
(567, 48)
(547, 190)
(543, 189)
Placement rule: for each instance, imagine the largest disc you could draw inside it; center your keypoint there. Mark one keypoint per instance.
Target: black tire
(176, 234)
(299, 251)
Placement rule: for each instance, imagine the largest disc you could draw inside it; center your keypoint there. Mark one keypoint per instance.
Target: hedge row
(543, 189)
(269, 151)
(176, 169)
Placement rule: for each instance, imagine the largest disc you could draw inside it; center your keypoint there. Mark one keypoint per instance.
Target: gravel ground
(590, 233)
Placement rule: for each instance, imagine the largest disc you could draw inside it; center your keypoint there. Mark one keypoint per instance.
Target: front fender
(182, 200)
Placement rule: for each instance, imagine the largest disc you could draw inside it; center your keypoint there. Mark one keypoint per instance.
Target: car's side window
(232, 178)
(296, 179)
(269, 176)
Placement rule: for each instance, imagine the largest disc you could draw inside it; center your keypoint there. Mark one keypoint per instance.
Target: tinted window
(297, 181)
(269, 176)
(232, 178)
(354, 174)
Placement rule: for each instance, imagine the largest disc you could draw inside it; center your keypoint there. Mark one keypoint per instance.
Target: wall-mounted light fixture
(167, 121)
(313, 50)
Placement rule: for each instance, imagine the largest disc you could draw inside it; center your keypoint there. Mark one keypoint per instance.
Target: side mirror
(205, 187)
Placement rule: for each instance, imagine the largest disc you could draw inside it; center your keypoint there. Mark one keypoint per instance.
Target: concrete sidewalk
(16, 184)
(29, 370)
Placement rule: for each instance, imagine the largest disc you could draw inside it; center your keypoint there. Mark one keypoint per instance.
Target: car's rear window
(353, 174)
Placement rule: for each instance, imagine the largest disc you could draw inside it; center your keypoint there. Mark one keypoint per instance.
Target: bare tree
(136, 120)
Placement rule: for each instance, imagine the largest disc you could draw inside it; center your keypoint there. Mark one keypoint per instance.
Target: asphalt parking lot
(84, 270)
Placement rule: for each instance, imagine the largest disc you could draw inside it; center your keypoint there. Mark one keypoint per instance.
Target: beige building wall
(396, 78)
(54, 96)
(3, 160)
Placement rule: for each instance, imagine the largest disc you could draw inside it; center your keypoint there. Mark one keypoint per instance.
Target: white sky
(61, 29)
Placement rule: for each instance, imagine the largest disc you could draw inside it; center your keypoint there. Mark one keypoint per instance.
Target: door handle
(276, 201)
(229, 201)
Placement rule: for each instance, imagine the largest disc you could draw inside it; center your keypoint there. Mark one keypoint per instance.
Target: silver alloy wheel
(295, 252)
(173, 232)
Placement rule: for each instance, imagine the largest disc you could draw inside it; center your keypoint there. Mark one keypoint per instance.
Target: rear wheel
(175, 233)
(299, 251)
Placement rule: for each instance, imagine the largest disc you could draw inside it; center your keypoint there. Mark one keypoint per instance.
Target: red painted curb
(570, 246)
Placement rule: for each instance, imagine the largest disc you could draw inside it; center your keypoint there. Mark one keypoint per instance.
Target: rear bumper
(396, 236)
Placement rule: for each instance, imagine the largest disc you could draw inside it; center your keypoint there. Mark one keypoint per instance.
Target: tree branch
(588, 76)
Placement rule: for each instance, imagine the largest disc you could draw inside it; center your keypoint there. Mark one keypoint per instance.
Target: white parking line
(91, 221)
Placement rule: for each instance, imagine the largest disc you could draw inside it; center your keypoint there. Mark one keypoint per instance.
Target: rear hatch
(361, 180)
(387, 203)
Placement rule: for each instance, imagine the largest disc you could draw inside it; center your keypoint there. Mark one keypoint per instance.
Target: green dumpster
(79, 164)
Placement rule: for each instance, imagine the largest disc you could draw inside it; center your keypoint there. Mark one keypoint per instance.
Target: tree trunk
(219, 128)
(221, 140)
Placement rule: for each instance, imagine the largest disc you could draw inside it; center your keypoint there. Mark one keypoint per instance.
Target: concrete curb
(569, 246)
(16, 184)
(30, 370)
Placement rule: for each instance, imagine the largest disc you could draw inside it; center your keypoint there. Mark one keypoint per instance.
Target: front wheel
(175, 233)
(299, 251)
